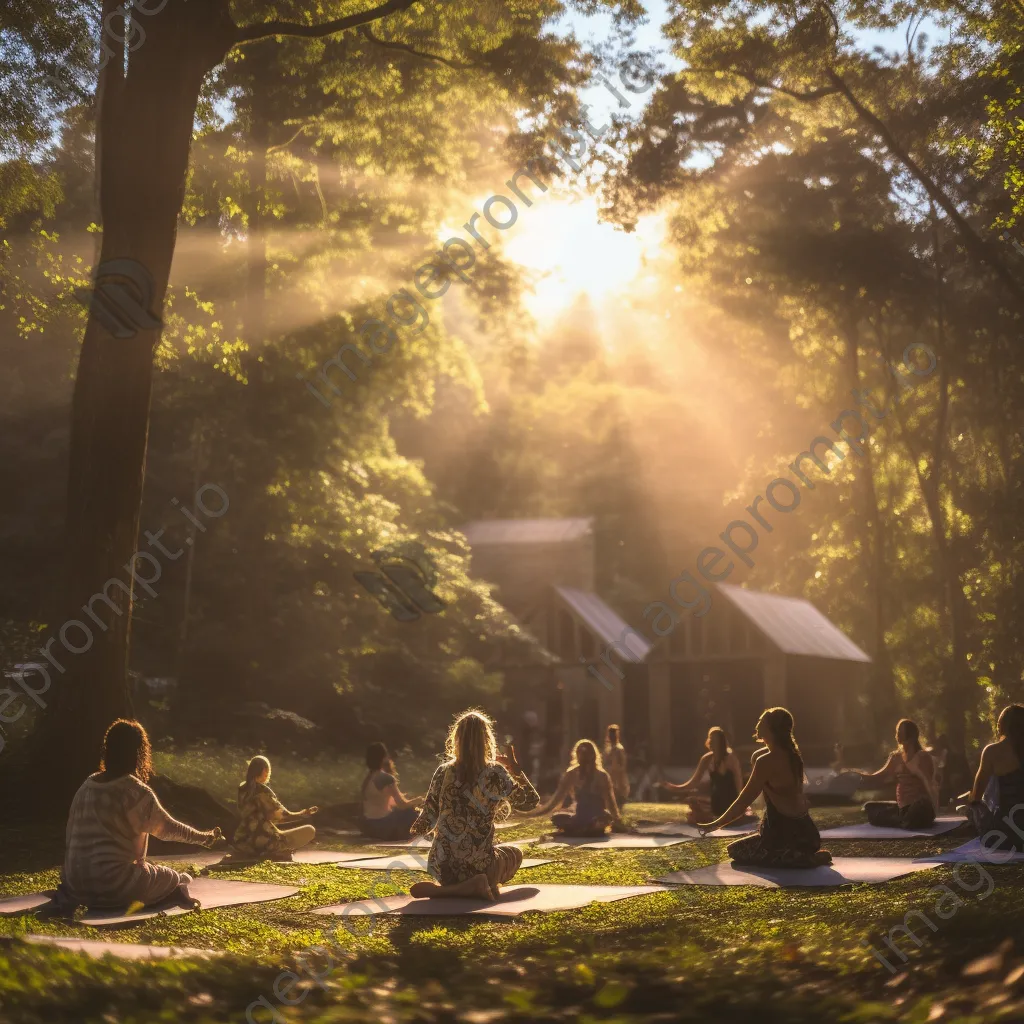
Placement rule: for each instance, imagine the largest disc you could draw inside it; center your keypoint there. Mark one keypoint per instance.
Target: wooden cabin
(752, 650)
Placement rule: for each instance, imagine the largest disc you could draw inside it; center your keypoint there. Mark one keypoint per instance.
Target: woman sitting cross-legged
(999, 785)
(788, 836)
(914, 771)
(468, 790)
(722, 768)
(259, 811)
(592, 789)
(112, 816)
(387, 812)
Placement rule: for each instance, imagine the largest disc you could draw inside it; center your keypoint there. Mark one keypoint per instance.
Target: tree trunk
(883, 689)
(144, 134)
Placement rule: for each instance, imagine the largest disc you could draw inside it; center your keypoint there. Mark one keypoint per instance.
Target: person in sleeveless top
(615, 764)
(787, 836)
(913, 769)
(112, 816)
(473, 786)
(591, 787)
(259, 811)
(387, 812)
(721, 767)
(998, 789)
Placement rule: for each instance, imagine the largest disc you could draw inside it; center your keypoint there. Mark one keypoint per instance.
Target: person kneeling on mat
(468, 790)
(914, 771)
(112, 817)
(787, 836)
(259, 810)
(387, 812)
(592, 789)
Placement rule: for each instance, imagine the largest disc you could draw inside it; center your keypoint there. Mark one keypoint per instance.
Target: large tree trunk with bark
(143, 137)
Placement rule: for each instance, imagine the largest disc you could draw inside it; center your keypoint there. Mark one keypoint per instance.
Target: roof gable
(793, 624)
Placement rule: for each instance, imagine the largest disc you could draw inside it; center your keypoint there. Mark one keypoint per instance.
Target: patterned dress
(257, 834)
(107, 837)
(461, 816)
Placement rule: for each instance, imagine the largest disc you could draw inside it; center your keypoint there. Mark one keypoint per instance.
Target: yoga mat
(211, 892)
(513, 901)
(416, 862)
(201, 858)
(974, 851)
(844, 871)
(862, 830)
(241, 861)
(615, 842)
(23, 904)
(122, 950)
(425, 842)
(679, 828)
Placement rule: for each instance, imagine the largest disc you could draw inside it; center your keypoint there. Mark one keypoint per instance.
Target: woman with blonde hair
(259, 810)
(592, 789)
(615, 763)
(468, 790)
(788, 836)
(722, 768)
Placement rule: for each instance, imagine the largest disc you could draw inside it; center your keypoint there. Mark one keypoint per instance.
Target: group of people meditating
(476, 786)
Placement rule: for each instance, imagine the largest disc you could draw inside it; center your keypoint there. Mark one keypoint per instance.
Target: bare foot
(479, 888)
(422, 890)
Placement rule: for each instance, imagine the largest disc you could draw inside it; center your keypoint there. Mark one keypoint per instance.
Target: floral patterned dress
(257, 834)
(461, 816)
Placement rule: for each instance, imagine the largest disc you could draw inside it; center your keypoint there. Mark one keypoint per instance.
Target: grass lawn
(694, 954)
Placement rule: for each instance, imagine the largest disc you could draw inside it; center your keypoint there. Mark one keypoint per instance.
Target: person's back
(782, 788)
(378, 800)
(1007, 772)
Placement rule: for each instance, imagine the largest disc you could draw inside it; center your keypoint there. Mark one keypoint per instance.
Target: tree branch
(406, 48)
(979, 248)
(249, 33)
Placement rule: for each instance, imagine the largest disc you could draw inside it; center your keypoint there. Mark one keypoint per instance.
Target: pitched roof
(605, 623)
(526, 531)
(793, 625)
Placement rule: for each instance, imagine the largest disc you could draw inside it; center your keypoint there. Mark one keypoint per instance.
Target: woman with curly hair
(470, 788)
(788, 836)
(112, 816)
(591, 786)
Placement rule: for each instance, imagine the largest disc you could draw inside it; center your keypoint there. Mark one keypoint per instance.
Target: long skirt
(394, 825)
(986, 821)
(781, 841)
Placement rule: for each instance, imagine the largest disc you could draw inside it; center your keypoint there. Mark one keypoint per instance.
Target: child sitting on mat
(999, 785)
(112, 816)
(473, 785)
(387, 812)
(592, 789)
(788, 836)
(914, 771)
(722, 767)
(259, 810)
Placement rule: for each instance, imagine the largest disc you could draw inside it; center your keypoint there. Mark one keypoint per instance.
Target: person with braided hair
(787, 836)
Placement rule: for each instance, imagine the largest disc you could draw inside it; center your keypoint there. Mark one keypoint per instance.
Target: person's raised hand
(312, 810)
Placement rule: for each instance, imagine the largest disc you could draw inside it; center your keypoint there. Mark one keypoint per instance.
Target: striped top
(108, 832)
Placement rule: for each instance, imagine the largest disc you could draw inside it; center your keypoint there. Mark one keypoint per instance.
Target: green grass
(694, 954)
